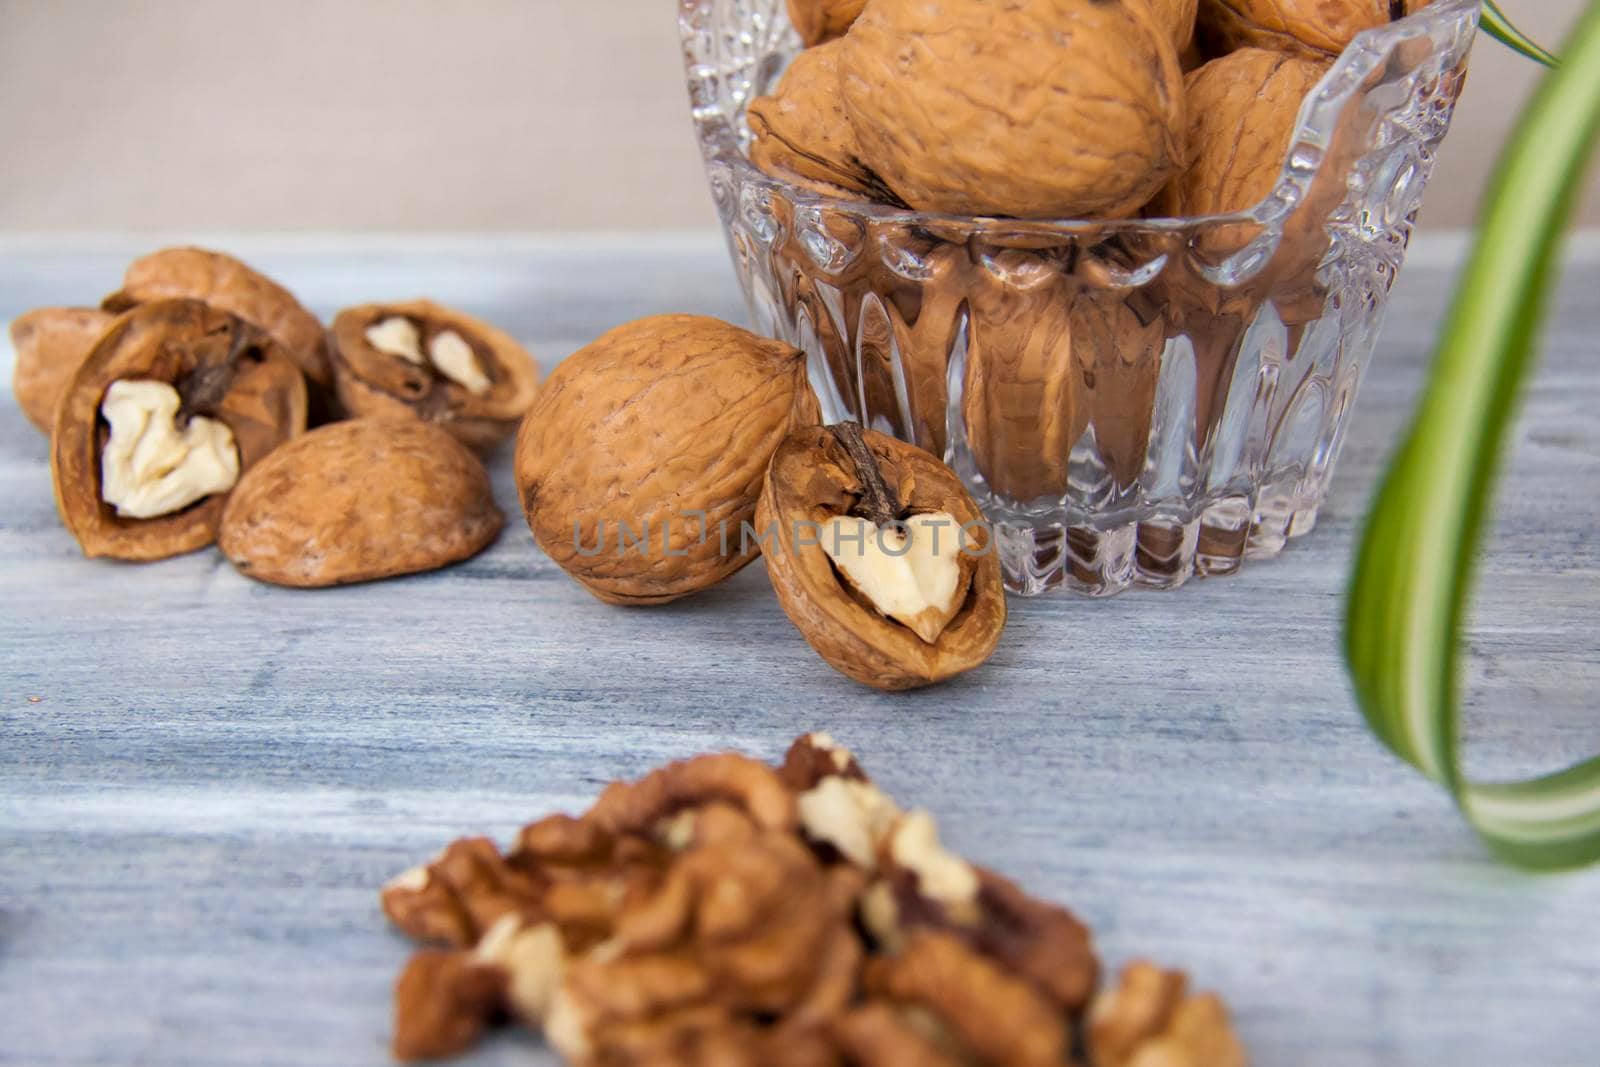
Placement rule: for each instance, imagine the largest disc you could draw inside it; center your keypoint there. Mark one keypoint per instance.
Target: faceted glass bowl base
(1131, 403)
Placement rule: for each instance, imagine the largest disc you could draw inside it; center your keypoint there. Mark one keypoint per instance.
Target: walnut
(1037, 108)
(1178, 18)
(892, 631)
(659, 432)
(1150, 1020)
(51, 344)
(589, 875)
(972, 1009)
(229, 285)
(442, 1003)
(238, 398)
(753, 786)
(924, 886)
(737, 931)
(822, 20)
(879, 1034)
(1318, 27)
(802, 135)
(1242, 112)
(445, 367)
(467, 889)
(533, 958)
(358, 500)
(149, 467)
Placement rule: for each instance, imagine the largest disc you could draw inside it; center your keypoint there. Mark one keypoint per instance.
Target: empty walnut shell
(374, 382)
(642, 457)
(51, 344)
(231, 286)
(358, 500)
(802, 134)
(1320, 27)
(224, 369)
(1035, 108)
(822, 20)
(813, 478)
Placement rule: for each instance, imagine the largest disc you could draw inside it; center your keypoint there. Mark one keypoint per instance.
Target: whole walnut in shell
(822, 20)
(802, 134)
(880, 558)
(358, 500)
(51, 344)
(1322, 27)
(1040, 108)
(1242, 113)
(421, 359)
(643, 455)
(223, 371)
(229, 285)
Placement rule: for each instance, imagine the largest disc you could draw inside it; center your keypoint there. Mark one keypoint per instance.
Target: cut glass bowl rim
(1303, 162)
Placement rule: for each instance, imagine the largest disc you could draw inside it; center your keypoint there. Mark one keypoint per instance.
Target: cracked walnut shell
(420, 358)
(1321, 27)
(640, 462)
(51, 344)
(222, 368)
(821, 476)
(229, 285)
(1033, 108)
(359, 500)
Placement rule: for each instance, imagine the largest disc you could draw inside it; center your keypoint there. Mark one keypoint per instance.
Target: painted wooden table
(204, 780)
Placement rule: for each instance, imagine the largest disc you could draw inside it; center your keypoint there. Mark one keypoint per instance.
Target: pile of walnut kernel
(720, 911)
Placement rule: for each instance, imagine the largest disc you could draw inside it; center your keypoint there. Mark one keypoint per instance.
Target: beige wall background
(427, 114)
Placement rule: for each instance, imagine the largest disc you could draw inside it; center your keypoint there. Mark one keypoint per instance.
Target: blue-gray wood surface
(204, 780)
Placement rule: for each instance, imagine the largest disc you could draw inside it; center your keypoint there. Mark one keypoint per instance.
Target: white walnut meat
(443, 366)
(238, 398)
(1033, 108)
(1321, 28)
(817, 21)
(641, 460)
(149, 467)
(1150, 1019)
(359, 500)
(225, 283)
(51, 344)
(819, 475)
(801, 132)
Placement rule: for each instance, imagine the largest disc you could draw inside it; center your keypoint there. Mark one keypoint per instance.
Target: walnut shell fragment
(818, 21)
(802, 134)
(640, 462)
(420, 358)
(51, 344)
(1035, 108)
(359, 500)
(1320, 27)
(229, 285)
(823, 478)
(223, 369)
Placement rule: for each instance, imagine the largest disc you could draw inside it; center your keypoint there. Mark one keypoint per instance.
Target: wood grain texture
(204, 780)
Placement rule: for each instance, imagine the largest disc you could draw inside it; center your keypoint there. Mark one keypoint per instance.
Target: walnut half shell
(420, 358)
(819, 475)
(222, 367)
(358, 500)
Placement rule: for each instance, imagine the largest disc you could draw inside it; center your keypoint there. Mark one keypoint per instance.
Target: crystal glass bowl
(1132, 402)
